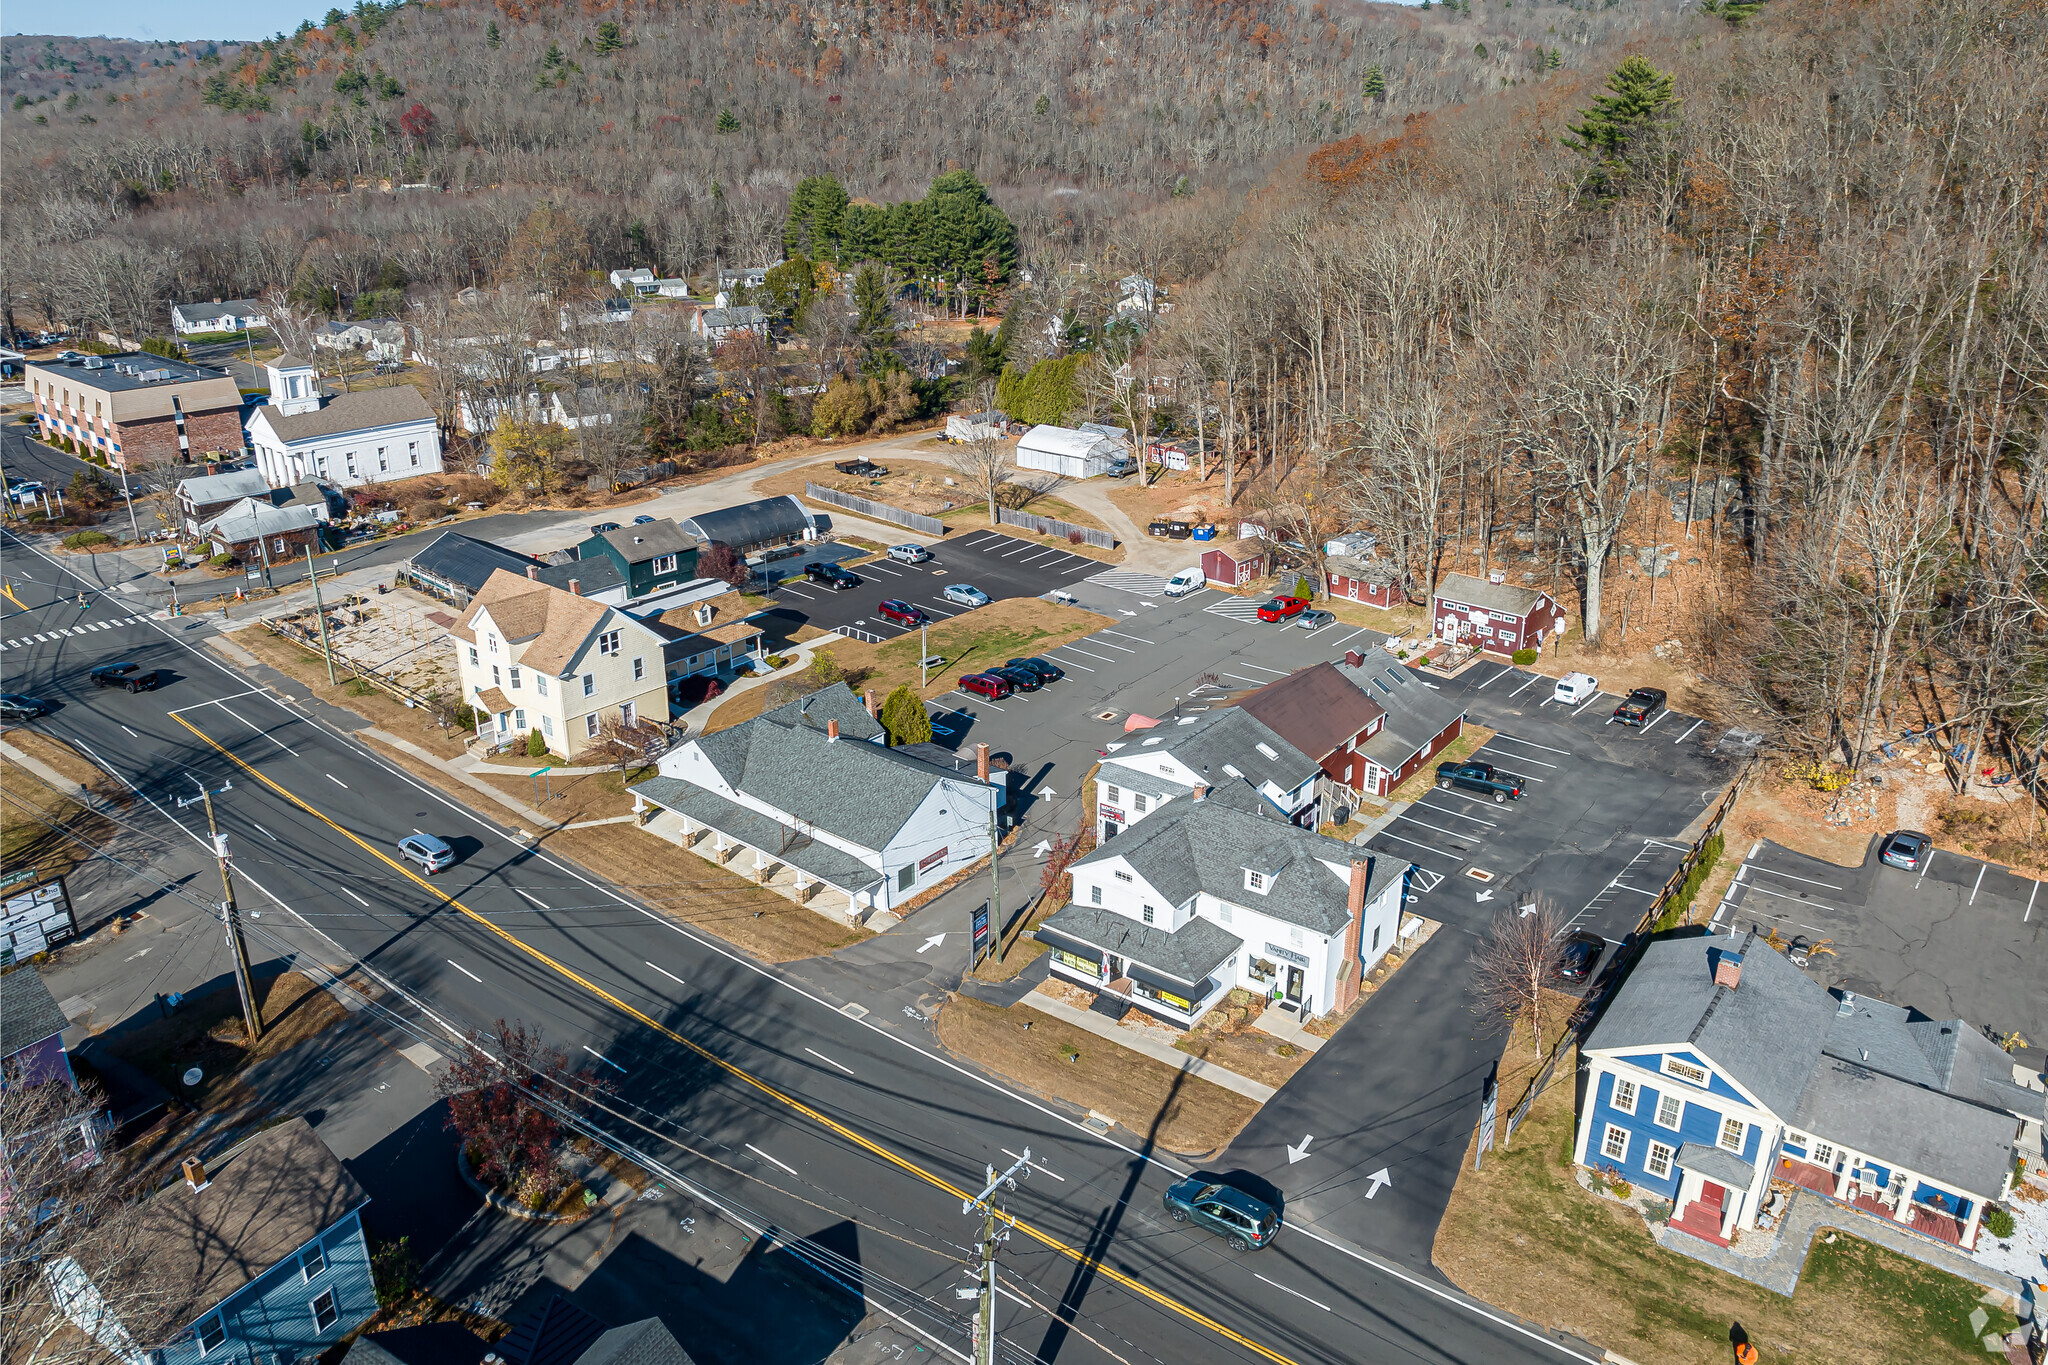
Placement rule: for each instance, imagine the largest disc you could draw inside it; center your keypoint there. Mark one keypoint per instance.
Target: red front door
(1712, 1195)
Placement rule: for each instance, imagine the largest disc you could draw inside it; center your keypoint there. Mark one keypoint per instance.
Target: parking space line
(1083, 667)
(1525, 686)
(1801, 898)
(1456, 813)
(1126, 635)
(1354, 635)
(1276, 672)
(1021, 548)
(877, 568)
(981, 535)
(1589, 701)
(1765, 867)
(1688, 734)
(1624, 886)
(1096, 639)
(1501, 734)
(1078, 650)
(1974, 885)
(1429, 848)
(1255, 682)
(1436, 828)
(1524, 758)
(940, 610)
(971, 701)
(807, 596)
(1655, 723)
(1505, 670)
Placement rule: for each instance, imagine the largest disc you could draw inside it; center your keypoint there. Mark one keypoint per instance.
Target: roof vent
(1848, 1005)
(1232, 771)
(1266, 749)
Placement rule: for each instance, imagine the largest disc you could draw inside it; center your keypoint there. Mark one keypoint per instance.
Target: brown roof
(1318, 710)
(347, 412)
(288, 361)
(557, 622)
(494, 700)
(280, 1192)
(1242, 549)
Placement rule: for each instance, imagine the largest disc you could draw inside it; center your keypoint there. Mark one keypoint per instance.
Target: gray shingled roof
(751, 523)
(836, 702)
(1416, 712)
(1948, 1055)
(467, 562)
(646, 1342)
(1226, 735)
(28, 1012)
(363, 410)
(1899, 1123)
(1206, 846)
(756, 830)
(638, 544)
(1148, 784)
(1765, 1034)
(592, 576)
(228, 487)
(1186, 955)
(1505, 598)
(1716, 1164)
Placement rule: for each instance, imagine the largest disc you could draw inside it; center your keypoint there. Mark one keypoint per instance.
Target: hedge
(1675, 910)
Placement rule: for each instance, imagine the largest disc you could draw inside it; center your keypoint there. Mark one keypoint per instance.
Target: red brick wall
(156, 439)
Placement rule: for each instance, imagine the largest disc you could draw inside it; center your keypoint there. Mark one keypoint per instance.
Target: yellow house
(534, 657)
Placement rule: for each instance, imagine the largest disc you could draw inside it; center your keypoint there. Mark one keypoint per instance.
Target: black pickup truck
(1641, 707)
(1483, 778)
(866, 469)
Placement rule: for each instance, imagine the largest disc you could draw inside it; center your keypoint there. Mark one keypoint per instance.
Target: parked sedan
(986, 685)
(1316, 620)
(966, 594)
(909, 554)
(1483, 778)
(1245, 1222)
(1282, 608)
(1579, 956)
(1019, 679)
(902, 613)
(1906, 849)
(1046, 669)
(831, 576)
(430, 853)
(643, 519)
(1640, 706)
(16, 707)
(604, 526)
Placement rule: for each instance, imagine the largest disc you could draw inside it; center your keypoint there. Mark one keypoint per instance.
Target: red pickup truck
(1282, 608)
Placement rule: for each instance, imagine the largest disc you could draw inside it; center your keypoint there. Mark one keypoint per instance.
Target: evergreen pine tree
(609, 39)
(1641, 102)
(491, 33)
(1552, 60)
(1375, 88)
(905, 719)
(726, 122)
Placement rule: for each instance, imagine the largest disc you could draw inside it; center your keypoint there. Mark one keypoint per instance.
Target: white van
(1574, 688)
(1190, 579)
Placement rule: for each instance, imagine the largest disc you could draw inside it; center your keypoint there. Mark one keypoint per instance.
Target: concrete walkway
(799, 656)
(1158, 1052)
(1288, 1028)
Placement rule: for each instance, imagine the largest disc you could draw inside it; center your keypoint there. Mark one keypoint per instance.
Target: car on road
(866, 469)
(1578, 957)
(831, 576)
(1283, 608)
(1574, 688)
(604, 526)
(902, 613)
(18, 707)
(1905, 849)
(1170, 530)
(1316, 620)
(966, 594)
(986, 685)
(1242, 1220)
(1483, 778)
(112, 675)
(1019, 679)
(430, 853)
(1046, 669)
(1190, 579)
(643, 519)
(1640, 706)
(909, 554)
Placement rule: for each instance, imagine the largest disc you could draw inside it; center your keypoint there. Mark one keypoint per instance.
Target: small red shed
(1495, 616)
(1355, 580)
(1235, 564)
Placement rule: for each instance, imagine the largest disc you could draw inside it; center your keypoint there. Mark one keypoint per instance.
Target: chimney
(831, 729)
(981, 761)
(1728, 970)
(1354, 658)
(533, 572)
(1201, 791)
(1355, 903)
(868, 699)
(576, 586)
(195, 1174)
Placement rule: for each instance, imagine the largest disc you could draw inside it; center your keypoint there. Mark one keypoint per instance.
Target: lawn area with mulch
(207, 1031)
(1468, 742)
(1522, 1234)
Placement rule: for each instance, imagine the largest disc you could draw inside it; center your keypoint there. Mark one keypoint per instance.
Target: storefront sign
(930, 860)
(1285, 956)
(1112, 813)
(980, 931)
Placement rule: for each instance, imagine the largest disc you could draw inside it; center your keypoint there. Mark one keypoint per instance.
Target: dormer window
(1255, 881)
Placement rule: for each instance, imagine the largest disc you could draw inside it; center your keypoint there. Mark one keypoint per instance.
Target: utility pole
(251, 1016)
(924, 654)
(991, 1238)
(132, 527)
(320, 613)
(995, 875)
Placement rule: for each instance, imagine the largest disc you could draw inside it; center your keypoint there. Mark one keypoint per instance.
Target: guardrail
(1053, 526)
(882, 511)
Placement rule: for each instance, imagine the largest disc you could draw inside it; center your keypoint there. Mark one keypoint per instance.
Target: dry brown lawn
(207, 1032)
(40, 825)
(1468, 742)
(308, 672)
(1522, 1234)
(1181, 497)
(1244, 1049)
(1186, 1116)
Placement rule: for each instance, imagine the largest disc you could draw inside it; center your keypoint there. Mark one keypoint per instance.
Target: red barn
(1493, 616)
(1236, 564)
(1355, 580)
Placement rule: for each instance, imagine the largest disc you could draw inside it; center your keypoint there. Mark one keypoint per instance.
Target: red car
(1280, 608)
(902, 613)
(987, 684)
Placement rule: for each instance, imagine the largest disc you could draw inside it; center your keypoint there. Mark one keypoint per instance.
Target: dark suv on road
(1483, 778)
(1246, 1222)
(131, 676)
(1641, 707)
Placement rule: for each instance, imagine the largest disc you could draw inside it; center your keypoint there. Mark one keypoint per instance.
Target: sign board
(1486, 1119)
(1298, 959)
(1112, 813)
(980, 932)
(33, 917)
(930, 861)
(253, 573)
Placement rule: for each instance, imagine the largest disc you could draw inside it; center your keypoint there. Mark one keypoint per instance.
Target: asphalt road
(739, 1076)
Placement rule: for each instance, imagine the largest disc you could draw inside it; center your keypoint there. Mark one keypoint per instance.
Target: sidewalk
(1137, 1042)
(411, 750)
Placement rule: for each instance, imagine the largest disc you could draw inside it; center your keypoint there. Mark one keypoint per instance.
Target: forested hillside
(42, 67)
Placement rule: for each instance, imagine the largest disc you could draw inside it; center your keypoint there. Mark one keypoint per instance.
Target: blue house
(267, 1252)
(1719, 1068)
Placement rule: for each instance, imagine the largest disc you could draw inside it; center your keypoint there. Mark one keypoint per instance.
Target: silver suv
(430, 853)
(909, 554)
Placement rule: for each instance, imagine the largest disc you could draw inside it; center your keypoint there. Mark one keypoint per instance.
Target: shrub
(86, 540)
(1525, 657)
(222, 562)
(536, 746)
(1998, 1222)
(396, 1271)
(1076, 538)
(904, 717)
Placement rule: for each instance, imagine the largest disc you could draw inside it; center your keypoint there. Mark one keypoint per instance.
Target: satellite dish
(194, 1075)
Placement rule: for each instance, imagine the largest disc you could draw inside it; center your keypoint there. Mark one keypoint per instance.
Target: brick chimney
(533, 572)
(868, 700)
(1201, 791)
(195, 1174)
(1350, 971)
(576, 586)
(1354, 658)
(1355, 903)
(831, 730)
(981, 761)
(1728, 970)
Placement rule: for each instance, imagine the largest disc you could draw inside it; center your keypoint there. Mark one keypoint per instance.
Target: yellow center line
(902, 1163)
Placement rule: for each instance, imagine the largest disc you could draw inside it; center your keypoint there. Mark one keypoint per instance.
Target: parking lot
(1959, 939)
(1000, 565)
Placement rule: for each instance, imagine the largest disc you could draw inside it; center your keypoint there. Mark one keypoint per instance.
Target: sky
(148, 20)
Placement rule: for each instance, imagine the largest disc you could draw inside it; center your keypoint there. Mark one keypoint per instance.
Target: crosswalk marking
(1235, 608)
(67, 632)
(1129, 580)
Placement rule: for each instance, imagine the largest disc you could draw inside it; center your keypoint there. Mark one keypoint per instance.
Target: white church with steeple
(347, 439)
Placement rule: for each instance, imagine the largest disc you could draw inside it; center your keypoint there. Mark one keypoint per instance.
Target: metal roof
(751, 523)
(467, 562)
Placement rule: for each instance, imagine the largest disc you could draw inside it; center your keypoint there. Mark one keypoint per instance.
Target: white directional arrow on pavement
(1486, 895)
(1295, 1153)
(1127, 611)
(1529, 909)
(1047, 791)
(934, 941)
(1375, 1180)
(1042, 847)
(1143, 603)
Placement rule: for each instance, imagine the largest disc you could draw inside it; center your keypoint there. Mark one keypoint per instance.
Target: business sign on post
(980, 934)
(32, 917)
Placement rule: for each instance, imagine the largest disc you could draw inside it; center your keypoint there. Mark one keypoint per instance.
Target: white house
(814, 787)
(1719, 1067)
(638, 280)
(672, 288)
(380, 338)
(1137, 294)
(1205, 898)
(1075, 454)
(233, 315)
(718, 325)
(1226, 754)
(350, 439)
(534, 657)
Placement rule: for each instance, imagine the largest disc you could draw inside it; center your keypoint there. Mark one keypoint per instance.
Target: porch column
(1970, 1228)
(803, 882)
(852, 908)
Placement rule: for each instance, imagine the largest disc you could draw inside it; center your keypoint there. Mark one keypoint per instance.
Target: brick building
(136, 409)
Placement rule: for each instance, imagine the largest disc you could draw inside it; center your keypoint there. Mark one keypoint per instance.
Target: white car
(966, 594)
(1190, 579)
(909, 554)
(1574, 688)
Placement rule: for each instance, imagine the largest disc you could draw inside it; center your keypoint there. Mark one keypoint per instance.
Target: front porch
(1874, 1190)
(1173, 977)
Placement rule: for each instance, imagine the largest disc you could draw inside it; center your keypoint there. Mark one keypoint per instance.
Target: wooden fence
(881, 511)
(1052, 526)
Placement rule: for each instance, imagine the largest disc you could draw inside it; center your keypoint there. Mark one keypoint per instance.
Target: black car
(1905, 849)
(604, 526)
(147, 681)
(1019, 679)
(1046, 669)
(1641, 706)
(1483, 778)
(16, 707)
(112, 675)
(1581, 954)
(831, 576)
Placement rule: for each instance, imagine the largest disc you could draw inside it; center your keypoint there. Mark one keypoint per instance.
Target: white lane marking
(337, 781)
(266, 734)
(1446, 810)
(464, 970)
(1256, 682)
(940, 610)
(2030, 903)
(131, 733)
(667, 973)
(1589, 701)
(973, 701)
(1502, 734)
(1096, 639)
(1296, 1292)
(535, 899)
(1655, 723)
(1018, 551)
(1354, 635)
(1071, 664)
(1978, 883)
(1438, 828)
(1078, 650)
(1524, 758)
(828, 1061)
(272, 837)
(1688, 734)
(1276, 672)
(765, 1157)
(1761, 867)
(1034, 1166)
(214, 701)
(606, 1060)
(1425, 847)
(354, 897)
(1494, 679)
(1525, 686)
(1624, 886)
(1126, 635)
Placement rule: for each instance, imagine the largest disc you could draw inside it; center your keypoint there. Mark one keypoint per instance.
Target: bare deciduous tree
(984, 462)
(1511, 967)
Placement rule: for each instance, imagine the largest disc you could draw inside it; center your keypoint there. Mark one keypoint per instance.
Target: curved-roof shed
(752, 523)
